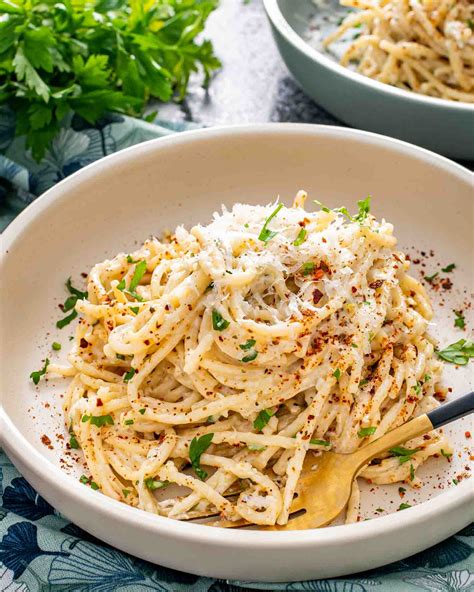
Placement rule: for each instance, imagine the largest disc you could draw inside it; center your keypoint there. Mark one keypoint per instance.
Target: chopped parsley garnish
(130, 259)
(459, 321)
(337, 374)
(470, 24)
(141, 411)
(70, 303)
(135, 309)
(88, 481)
(218, 321)
(379, 510)
(73, 443)
(404, 506)
(322, 206)
(129, 422)
(63, 322)
(250, 356)
(129, 375)
(308, 268)
(153, 484)
(401, 490)
(266, 234)
(248, 344)
(417, 388)
(197, 447)
(455, 481)
(74, 291)
(354, 345)
(299, 240)
(457, 353)
(126, 492)
(446, 454)
(362, 204)
(430, 278)
(56, 346)
(364, 432)
(363, 382)
(412, 472)
(319, 442)
(262, 419)
(139, 272)
(120, 356)
(37, 374)
(403, 454)
(98, 420)
(209, 287)
(449, 268)
(426, 378)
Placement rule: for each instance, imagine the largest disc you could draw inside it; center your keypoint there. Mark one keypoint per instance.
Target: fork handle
(452, 411)
(416, 427)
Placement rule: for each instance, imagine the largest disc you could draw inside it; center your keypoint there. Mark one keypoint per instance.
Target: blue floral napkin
(40, 551)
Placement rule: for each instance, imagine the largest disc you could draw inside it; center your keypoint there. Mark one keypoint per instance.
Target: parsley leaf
(218, 321)
(449, 268)
(403, 454)
(98, 420)
(459, 321)
(457, 353)
(250, 357)
(262, 419)
(129, 375)
(308, 268)
(404, 506)
(73, 443)
(319, 442)
(153, 484)
(299, 240)
(430, 278)
(36, 376)
(364, 210)
(248, 344)
(337, 374)
(364, 432)
(197, 447)
(85, 59)
(266, 234)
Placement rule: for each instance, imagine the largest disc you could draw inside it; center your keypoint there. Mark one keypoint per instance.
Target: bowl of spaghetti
(401, 68)
(202, 333)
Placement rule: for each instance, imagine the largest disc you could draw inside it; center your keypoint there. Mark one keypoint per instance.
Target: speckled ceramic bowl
(120, 200)
(444, 126)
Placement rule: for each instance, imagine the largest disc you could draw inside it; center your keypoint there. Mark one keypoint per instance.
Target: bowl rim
(52, 477)
(276, 17)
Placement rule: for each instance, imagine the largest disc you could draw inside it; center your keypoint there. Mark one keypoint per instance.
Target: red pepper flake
(354, 289)
(468, 435)
(317, 295)
(84, 274)
(46, 441)
(446, 284)
(83, 343)
(376, 284)
(99, 403)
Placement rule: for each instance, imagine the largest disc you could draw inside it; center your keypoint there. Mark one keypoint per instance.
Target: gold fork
(325, 484)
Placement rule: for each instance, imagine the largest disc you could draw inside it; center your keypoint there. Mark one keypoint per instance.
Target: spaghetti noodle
(218, 358)
(426, 46)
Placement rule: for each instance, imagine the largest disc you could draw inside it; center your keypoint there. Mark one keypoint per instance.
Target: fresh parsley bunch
(92, 56)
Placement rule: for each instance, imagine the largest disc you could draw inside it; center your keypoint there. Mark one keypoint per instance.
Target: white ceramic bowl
(444, 126)
(124, 198)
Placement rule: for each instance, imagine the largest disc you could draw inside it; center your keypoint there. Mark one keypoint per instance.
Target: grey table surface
(253, 85)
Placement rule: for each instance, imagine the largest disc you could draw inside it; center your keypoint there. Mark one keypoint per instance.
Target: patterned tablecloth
(40, 551)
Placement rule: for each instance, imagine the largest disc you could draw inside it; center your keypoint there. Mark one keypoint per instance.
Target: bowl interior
(117, 203)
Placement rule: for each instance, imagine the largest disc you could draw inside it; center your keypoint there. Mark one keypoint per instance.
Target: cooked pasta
(426, 46)
(217, 358)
